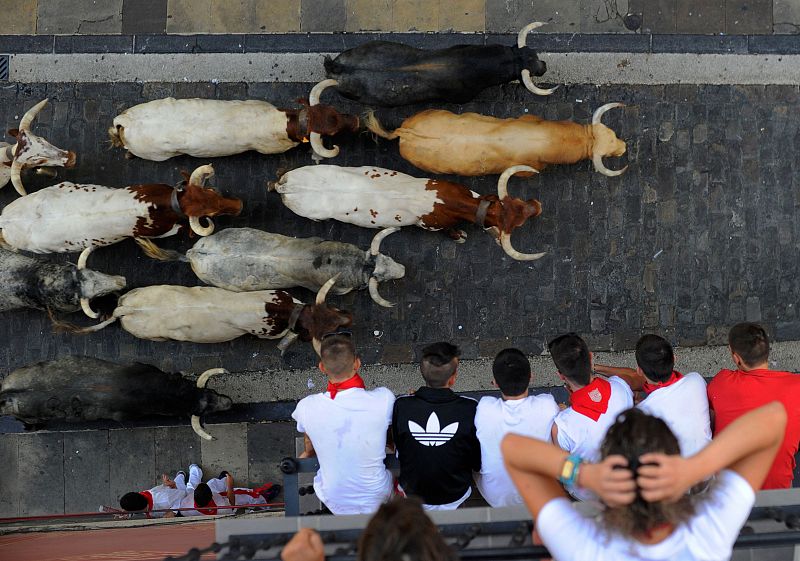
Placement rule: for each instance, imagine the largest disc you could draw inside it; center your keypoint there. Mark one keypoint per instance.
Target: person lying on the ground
(220, 492)
(162, 497)
(643, 480)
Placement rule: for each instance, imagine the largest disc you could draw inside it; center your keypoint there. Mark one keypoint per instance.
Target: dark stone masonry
(700, 232)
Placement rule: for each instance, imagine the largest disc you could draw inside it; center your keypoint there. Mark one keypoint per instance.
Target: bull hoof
(129, 156)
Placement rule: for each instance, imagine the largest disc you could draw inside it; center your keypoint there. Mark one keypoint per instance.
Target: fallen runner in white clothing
(157, 501)
(220, 492)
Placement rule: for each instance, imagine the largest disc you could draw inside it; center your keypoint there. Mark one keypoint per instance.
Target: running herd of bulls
(249, 269)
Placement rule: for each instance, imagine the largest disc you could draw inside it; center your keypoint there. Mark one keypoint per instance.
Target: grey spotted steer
(29, 151)
(27, 282)
(245, 259)
(77, 388)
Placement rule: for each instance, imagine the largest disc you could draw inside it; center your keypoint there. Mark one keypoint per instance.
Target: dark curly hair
(633, 434)
(401, 531)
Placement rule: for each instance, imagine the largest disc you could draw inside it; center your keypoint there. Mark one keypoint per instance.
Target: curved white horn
(202, 380)
(287, 341)
(323, 292)
(316, 91)
(600, 111)
(597, 160)
(87, 309)
(528, 81)
(505, 243)
(198, 228)
(201, 174)
(198, 428)
(319, 147)
(30, 115)
(502, 183)
(84, 256)
(16, 177)
(375, 247)
(523, 33)
(376, 297)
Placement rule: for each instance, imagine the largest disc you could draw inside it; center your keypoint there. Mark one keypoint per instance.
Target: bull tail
(153, 251)
(61, 326)
(115, 137)
(374, 126)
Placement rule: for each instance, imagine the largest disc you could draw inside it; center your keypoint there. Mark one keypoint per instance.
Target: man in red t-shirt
(732, 393)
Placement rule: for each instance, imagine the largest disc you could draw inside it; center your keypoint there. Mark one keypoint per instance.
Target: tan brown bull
(439, 141)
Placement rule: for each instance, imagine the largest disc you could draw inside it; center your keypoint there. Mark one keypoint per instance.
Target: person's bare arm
(635, 380)
(390, 440)
(534, 466)
(747, 446)
(230, 493)
(554, 434)
(308, 451)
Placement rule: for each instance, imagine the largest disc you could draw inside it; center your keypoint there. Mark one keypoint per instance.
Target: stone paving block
(78, 16)
(322, 15)
(176, 448)
(506, 17)
(188, 16)
(87, 470)
(19, 17)
(227, 452)
(466, 15)
(658, 16)
(254, 16)
(705, 18)
(132, 459)
(748, 17)
(267, 445)
(602, 16)
(368, 15)
(415, 15)
(785, 16)
(9, 487)
(42, 454)
(144, 16)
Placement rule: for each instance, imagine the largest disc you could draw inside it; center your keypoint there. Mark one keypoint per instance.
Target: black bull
(391, 74)
(86, 389)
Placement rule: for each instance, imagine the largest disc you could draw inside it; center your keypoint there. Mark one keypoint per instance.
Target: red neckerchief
(650, 388)
(592, 400)
(149, 496)
(207, 509)
(354, 382)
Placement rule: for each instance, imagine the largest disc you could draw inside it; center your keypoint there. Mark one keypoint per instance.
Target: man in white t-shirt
(515, 412)
(680, 401)
(346, 428)
(595, 401)
(220, 492)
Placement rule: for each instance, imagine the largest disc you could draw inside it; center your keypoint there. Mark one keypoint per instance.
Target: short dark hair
(511, 371)
(133, 502)
(655, 357)
(202, 495)
(571, 356)
(749, 341)
(438, 363)
(401, 530)
(338, 354)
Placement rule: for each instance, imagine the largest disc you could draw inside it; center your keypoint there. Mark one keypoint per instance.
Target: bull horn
(197, 427)
(84, 256)
(16, 177)
(287, 341)
(323, 292)
(376, 297)
(375, 247)
(316, 91)
(502, 183)
(85, 306)
(526, 74)
(597, 159)
(30, 115)
(201, 174)
(198, 228)
(202, 380)
(505, 243)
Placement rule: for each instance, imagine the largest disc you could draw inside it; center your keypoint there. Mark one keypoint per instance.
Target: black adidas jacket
(434, 432)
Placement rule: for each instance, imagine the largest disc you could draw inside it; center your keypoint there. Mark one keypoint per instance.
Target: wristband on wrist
(570, 470)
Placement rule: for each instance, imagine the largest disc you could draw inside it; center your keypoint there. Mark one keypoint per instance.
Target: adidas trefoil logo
(431, 435)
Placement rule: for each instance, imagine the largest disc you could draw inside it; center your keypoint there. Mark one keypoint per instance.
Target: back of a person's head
(202, 495)
(572, 358)
(511, 371)
(655, 357)
(338, 354)
(750, 342)
(633, 434)
(439, 363)
(401, 531)
(133, 502)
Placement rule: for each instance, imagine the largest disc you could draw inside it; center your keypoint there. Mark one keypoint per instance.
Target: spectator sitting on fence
(516, 411)
(643, 481)
(734, 392)
(220, 492)
(399, 530)
(595, 402)
(679, 400)
(346, 428)
(434, 434)
(163, 497)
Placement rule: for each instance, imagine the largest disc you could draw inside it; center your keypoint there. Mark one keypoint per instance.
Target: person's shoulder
(382, 392)
(488, 402)
(694, 380)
